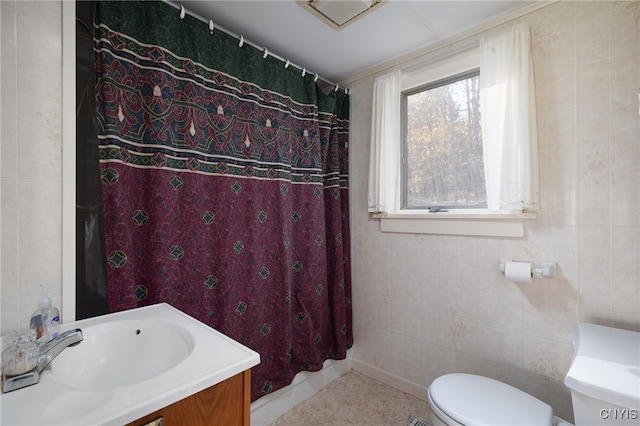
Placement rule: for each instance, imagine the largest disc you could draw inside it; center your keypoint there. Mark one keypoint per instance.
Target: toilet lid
(477, 400)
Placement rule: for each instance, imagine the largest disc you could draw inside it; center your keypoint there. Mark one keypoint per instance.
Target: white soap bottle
(46, 319)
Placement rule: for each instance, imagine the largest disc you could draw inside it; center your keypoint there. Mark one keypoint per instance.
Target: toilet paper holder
(545, 268)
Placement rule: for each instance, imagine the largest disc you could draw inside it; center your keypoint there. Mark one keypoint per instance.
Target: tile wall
(425, 305)
(30, 152)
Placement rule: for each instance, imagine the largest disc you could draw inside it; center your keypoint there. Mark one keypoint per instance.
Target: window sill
(498, 224)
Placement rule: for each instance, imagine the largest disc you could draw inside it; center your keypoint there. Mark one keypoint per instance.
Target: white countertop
(212, 358)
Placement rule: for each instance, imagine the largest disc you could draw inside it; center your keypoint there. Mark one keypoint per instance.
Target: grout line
(611, 258)
(18, 176)
(1, 182)
(576, 141)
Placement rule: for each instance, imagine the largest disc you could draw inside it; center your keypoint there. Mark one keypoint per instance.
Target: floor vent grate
(415, 421)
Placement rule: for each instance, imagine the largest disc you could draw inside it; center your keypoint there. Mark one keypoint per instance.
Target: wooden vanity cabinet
(227, 403)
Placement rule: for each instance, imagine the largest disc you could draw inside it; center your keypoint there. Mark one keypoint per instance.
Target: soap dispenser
(46, 319)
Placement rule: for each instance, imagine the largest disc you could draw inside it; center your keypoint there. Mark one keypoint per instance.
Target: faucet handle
(45, 353)
(17, 382)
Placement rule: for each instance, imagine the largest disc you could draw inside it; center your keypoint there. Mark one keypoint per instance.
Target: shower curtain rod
(242, 41)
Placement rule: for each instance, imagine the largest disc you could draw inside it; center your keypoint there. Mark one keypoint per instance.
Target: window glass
(442, 145)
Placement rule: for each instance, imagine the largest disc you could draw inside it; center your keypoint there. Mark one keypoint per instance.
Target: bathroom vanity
(227, 403)
(135, 367)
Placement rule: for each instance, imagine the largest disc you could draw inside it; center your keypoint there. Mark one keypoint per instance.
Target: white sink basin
(129, 364)
(120, 353)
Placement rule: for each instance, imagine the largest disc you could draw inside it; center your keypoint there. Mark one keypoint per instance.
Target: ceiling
(394, 30)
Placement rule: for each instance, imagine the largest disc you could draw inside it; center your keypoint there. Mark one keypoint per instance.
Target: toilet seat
(468, 399)
(441, 418)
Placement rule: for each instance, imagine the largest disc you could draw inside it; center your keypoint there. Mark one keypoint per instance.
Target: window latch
(436, 209)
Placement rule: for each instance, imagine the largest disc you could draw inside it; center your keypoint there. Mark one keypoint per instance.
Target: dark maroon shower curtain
(225, 188)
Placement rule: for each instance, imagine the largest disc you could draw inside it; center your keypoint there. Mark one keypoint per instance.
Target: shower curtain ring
(304, 72)
(286, 64)
(241, 41)
(211, 26)
(182, 12)
(336, 89)
(315, 78)
(266, 53)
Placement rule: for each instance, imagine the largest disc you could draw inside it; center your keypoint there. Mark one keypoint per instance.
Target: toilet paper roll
(520, 272)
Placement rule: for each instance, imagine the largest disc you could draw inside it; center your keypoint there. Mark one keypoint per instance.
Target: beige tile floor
(355, 399)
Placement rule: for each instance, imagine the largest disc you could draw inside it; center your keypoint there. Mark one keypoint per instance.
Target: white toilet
(604, 379)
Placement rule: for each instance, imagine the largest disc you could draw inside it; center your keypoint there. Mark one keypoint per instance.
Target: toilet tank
(604, 376)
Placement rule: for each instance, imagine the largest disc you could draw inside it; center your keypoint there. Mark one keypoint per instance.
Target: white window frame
(405, 95)
(477, 222)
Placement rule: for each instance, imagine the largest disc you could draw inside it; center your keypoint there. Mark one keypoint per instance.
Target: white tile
(39, 35)
(9, 278)
(500, 311)
(466, 246)
(40, 151)
(625, 160)
(596, 316)
(593, 78)
(561, 17)
(562, 206)
(625, 248)
(447, 244)
(429, 295)
(595, 243)
(9, 82)
(535, 315)
(535, 353)
(429, 266)
(466, 272)
(594, 205)
(625, 292)
(9, 208)
(8, 22)
(446, 269)
(40, 95)
(564, 289)
(487, 247)
(9, 147)
(593, 37)
(625, 322)
(413, 258)
(40, 263)
(40, 208)
(562, 322)
(589, 12)
(413, 290)
(414, 324)
(561, 78)
(625, 202)
(594, 165)
(595, 288)
(10, 315)
(625, 33)
(48, 7)
(561, 245)
(559, 169)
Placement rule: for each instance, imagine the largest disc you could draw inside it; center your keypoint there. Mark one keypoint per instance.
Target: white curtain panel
(508, 110)
(384, 173)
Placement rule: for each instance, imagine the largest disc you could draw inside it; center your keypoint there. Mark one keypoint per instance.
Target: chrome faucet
(47, 352)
